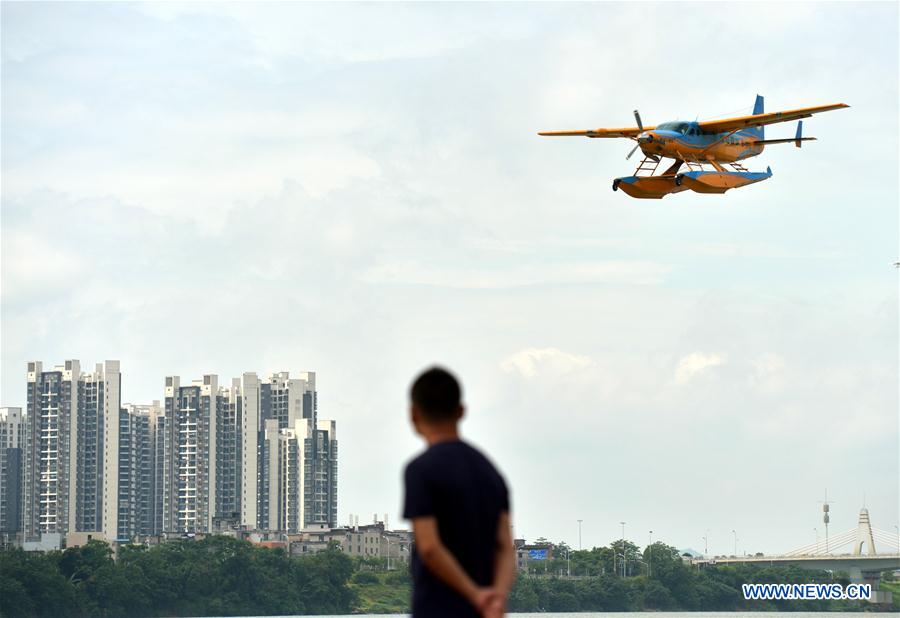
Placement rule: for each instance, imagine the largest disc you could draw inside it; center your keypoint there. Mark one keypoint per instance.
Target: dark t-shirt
(456, 484)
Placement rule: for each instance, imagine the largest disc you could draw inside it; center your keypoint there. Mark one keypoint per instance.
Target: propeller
(637, 118)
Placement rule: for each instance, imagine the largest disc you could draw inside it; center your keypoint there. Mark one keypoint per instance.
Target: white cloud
(768, 374)
(695, 364)
(33, 266)
(544, 362)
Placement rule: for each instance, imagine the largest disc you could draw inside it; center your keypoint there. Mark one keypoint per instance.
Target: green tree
(79, 563)
(657, 596)
(631, 554)
(365, 578)
(326, 584)
(14, 598)
(522, 597)
(666, 564)
(38, 576)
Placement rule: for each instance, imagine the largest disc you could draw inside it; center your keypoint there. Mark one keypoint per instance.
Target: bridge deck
(876, 563)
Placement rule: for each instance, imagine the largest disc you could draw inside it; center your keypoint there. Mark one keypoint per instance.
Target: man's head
(436, 399)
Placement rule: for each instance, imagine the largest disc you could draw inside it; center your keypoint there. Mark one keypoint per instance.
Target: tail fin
(759, 108)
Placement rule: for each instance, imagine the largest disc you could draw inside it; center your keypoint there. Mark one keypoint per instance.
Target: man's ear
(460, 412)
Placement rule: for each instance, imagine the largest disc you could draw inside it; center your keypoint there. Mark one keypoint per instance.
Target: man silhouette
(463, 563)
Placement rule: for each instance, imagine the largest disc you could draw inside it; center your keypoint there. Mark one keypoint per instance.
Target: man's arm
(504, 565)
(444, 565)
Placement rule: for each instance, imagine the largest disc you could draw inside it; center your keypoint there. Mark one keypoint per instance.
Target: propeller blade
(628, 156)
(637, 118)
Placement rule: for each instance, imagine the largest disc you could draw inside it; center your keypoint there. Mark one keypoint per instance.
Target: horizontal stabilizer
(791, 140)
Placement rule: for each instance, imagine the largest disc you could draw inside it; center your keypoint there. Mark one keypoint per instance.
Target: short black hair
(437, 394)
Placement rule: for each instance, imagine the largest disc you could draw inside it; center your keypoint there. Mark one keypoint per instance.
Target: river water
(650, 615)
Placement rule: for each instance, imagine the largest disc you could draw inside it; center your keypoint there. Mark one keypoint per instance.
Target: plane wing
(758, 120)
(623, 132)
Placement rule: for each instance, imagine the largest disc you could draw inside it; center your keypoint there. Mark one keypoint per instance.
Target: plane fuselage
(685, 140)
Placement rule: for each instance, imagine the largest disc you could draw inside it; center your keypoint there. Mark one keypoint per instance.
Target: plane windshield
(678, 127)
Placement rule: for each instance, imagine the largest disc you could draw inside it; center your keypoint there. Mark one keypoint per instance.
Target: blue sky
(357, 189)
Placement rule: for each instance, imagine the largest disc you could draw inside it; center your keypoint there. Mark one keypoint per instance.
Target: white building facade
(71, 463)
(186, 443)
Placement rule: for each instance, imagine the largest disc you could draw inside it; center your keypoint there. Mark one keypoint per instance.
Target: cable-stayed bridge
(863, 563)
(863, 536)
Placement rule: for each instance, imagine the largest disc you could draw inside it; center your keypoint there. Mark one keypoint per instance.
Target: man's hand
(488, 601)
(504, 568)
(496, 608)
(444, 566)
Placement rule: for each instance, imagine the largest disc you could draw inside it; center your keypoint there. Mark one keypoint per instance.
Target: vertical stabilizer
(759, 107)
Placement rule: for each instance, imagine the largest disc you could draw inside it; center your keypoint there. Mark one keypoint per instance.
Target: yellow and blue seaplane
(710, 151)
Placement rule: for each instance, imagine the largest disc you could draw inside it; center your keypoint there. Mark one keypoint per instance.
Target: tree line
(658, 579)
(222, 576)
(215, 576)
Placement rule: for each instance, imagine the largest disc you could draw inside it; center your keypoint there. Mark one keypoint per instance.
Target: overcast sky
(358, 190)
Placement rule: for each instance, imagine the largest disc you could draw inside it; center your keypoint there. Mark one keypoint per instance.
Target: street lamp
(706, 544)
(388, 539)
(650, 556)
(624, 559)
(816, 530)
(734, 532)
(579, 535)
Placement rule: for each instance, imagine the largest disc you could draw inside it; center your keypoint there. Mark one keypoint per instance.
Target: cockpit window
(678, 127)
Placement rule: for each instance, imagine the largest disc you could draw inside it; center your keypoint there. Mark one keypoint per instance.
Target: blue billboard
(537, 554)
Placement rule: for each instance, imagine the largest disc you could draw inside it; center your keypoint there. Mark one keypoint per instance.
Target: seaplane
(707, 155)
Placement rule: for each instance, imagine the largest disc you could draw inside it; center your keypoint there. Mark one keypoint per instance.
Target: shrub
(365, 578)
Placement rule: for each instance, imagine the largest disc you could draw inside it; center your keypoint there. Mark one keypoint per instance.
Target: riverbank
(221, 576)
(714, 590)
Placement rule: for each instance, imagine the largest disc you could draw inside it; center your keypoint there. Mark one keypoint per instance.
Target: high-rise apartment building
(186, 440)
(229, 409)
(279, 425)
(267, 512)
(324, 486)
(248, 397)
(71, 449)
(307, 489)
(291, 472)
(284, 463)
(253, 453)
(12, 441)
(137, 465)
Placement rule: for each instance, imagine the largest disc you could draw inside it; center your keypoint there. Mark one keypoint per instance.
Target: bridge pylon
(864, 535)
